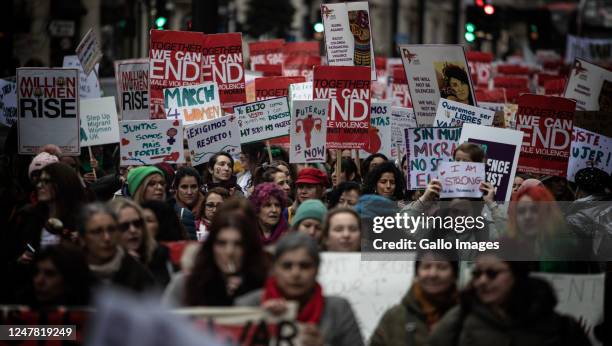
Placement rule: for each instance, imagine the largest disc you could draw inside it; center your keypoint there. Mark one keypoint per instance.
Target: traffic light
(489, 9)
(318, 27)
(469, 32)
(161, 14)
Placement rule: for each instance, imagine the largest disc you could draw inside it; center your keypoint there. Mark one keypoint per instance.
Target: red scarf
(311, 312)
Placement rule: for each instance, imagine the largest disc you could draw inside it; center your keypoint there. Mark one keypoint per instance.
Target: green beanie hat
(137, 175)
(310, 209)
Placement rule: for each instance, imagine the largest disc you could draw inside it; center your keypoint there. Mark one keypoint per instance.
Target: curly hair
(369, 185)
(263, 192)
(457, 72)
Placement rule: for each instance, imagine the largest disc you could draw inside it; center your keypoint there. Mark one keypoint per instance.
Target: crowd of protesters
(250, 233)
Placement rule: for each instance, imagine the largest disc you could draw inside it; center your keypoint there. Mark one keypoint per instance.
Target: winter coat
(186, 217)
(590, 220)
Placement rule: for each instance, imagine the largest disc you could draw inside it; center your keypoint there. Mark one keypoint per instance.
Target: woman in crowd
(344, 195)
(107, 260)
(146, 183)
(309, 218)
(212, 202)
(188, 199)
(269, 201)
(221, 173)
(327, 320)
(385, 180)
(162, 222)
(310, 184)
(372, 161)
(431, 295)
(503, 305)
(342, 231)
(269, 174)
(348, 172)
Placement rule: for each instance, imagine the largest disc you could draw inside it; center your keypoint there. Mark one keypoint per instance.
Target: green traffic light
(470, 27)
(470, 37)
(160, 22)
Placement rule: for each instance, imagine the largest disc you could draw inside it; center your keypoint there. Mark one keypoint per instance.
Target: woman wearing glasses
(212, 201)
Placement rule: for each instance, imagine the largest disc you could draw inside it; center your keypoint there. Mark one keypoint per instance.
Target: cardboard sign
(348, 88)
(399, 92)
(371, 287)
(300, 91)
(89, 86)
(175, 59)
(434, 72)
(146, 142)
(271, 87)
(348, 35)
(300, 57)
(267, 56)
(502, 148)
(8, 102)
(591, 86)
(427, 147)
(48, 108)
(589, 149)
(133, 88)
(99, 123)
(263, 119)
(547, 123)
(223, 64)
(592, 49)
(380, 130)
(480, 66)
(193, 103)
(454, 114)
(461, 179)
(207, 138)
(401, 119)
(308, 131)
(89, 51)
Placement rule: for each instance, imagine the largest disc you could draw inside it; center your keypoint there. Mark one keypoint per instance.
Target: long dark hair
(208, 176)
(369, 185)
(170, 227)
(206, 285)
(69, 192)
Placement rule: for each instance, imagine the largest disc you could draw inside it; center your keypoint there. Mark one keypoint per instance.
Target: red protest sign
(348, 88)
(270, 87)
(480, 66)
(174, 60)
(267, 57)
(222, 62)
(554, 87)
(300, 57)
(399, 94)
(547, 123)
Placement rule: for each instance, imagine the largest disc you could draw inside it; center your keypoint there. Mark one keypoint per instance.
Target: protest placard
(461, 179)
(222, 63)
(348, 88)
(8, 102)
(371, 287)
(271, 87)
(48, 109)
(207, 138)
(589, 149)
(434, 72)
(263, 120)
(99, 123)
(300, 57)
(502, 148)
(89, 51)
(493, 106)
(132, 78)
(454, 114)
(348, 35)
(426, 147)
(89, 86)
(480, 67)
(267, 57)
(380, 130)
(308, 131)
(193, 103)
(591, 86)
(592, 49)
(175, 59)
(398, 90)
(546, 122)
(401, 119)
(299, 91)
(146, 142)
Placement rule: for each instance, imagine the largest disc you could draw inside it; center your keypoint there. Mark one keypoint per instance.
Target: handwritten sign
(263, 120)
(589, 149)
(8, 102)
(193, 103)
(145, 142)
(89, 86)
(380, 130)
(591, 86)
(426, 147)
(210, 137)
(99, 123)
(401, 119)
(89, 51)
(308, 131)
(133, 88)
(461, 179)
(454, 114)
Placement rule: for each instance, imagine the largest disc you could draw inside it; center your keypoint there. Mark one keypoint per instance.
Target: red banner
(174, 60)
(348, 88)
(554, 87)
(267, 57)
(222, 63)
(400, 94)
(480, 66)
(300, 57)
(271, 87)
(547, 123)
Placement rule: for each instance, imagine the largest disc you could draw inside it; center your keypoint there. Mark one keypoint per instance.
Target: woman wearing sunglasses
(503, 305)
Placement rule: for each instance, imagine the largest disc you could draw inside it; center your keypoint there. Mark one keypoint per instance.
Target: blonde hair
(147, 246)
(139, 194)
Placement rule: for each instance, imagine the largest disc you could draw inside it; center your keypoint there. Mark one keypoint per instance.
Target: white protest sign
(589, 149)
(300, 91)
(348, 35)
(8, 102)
(434, 72)
(263, 119)
(146, 142)
(380, 130)
(308, 131)
(193, 103)
(371, 287)
(99, 122)
(89, 51)
(591, 86)
(133, 88)
(48, 109)
(461, 179)
(426, 147)
(210, 137)
(89, 86)
(493, 106)
(454, 114)
(401, 119)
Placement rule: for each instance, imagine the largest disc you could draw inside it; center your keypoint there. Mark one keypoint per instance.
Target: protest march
(234, 190)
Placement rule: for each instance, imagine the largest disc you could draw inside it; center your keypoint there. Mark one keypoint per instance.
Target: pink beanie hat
(40, 161)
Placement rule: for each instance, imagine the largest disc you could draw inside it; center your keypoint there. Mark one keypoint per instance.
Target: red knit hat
(312, 176)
